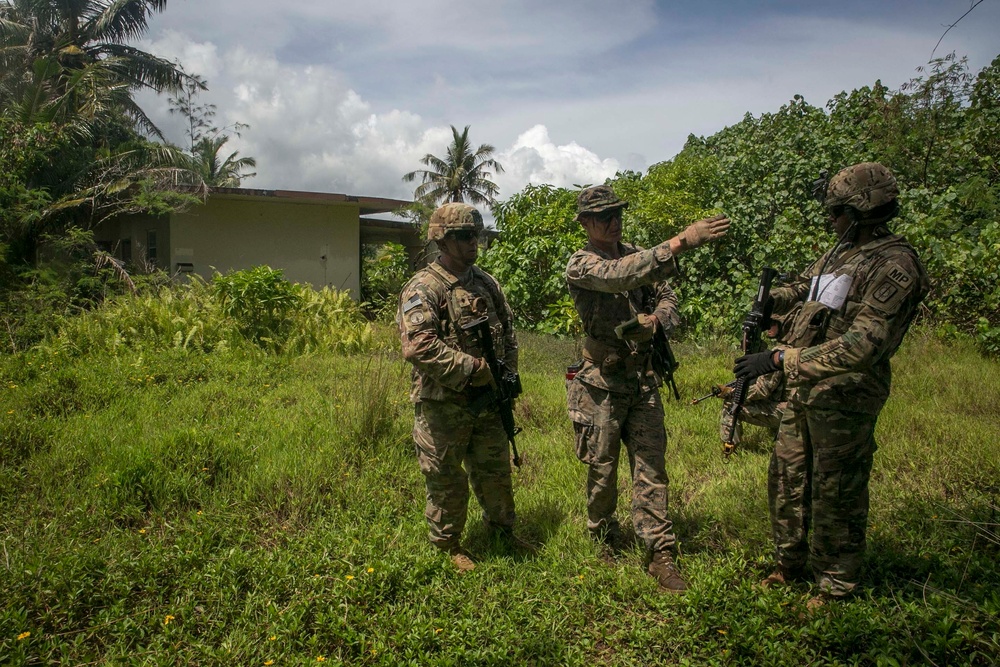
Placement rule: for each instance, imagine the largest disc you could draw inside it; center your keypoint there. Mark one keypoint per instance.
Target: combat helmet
(865, 187)
(451, 217)
(597, 199)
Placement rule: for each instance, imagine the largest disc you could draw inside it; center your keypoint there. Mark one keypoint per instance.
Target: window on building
(151, 246)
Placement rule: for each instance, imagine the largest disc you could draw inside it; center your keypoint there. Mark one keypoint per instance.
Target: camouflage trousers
(602, 421)
(456, 448)
(818, 484)
(766, 414)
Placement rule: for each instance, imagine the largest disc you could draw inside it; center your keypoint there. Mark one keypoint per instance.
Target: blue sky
(347, 96)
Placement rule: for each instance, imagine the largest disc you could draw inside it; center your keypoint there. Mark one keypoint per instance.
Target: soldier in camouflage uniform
(857, 302)
(457, 443)
(615, 397)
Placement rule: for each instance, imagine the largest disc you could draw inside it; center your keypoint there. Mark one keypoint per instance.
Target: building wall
(311, 243)
(137, 239)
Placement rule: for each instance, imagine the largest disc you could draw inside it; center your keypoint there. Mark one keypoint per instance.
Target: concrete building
(313, 237)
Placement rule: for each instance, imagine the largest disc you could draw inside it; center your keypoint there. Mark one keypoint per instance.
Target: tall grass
(213, 504)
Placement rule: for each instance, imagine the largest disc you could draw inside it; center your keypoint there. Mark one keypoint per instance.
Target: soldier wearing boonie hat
(614, 396)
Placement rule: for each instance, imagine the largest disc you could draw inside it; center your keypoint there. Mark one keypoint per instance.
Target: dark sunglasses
(464, 235)
(605, 217)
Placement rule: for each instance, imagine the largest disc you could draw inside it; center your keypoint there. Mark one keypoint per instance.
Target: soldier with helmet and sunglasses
(614, 396)
(855, 304)
(458, 441)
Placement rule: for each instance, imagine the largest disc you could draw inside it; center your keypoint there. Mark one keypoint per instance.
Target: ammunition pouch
(612, 359)
(809, 327)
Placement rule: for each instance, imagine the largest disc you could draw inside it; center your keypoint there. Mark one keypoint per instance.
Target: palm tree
(462, 175)
(45, 45)
(216, 172)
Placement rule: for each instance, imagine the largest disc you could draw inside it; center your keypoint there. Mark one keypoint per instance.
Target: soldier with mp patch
(459, 439)
(855, 305)
(614, 398)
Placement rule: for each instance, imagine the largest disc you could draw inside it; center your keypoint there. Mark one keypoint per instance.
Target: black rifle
(753, 328)
(504, 388)
(664, 361)
(716, 391)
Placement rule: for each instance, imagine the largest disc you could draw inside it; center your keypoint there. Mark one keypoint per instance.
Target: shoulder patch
(417, 318)
(412, 303)
(892, 287)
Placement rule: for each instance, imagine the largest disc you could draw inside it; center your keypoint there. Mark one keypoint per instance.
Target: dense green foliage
(384, 270)
(249, 310)
(166, 504)
(538, 236)
(937, 133)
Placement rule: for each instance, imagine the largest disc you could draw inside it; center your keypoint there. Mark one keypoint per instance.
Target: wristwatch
(781, 358)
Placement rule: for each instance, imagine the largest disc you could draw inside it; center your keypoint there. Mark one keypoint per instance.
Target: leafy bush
(385, 269)
(256, 307)
(537, 237)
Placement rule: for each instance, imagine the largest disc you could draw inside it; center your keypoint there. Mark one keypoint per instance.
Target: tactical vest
(866, 389)
(461, 307)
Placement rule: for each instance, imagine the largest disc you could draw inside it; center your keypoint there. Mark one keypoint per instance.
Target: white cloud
(534, 158)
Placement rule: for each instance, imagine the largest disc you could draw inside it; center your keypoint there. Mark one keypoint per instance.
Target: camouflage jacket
(840, 353)
(607, 292)
(433, 307)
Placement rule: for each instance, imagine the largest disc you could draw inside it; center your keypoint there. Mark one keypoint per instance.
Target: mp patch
(892, 288)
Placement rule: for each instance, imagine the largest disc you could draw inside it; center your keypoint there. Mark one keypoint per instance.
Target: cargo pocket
(429, 454)
(581, 412)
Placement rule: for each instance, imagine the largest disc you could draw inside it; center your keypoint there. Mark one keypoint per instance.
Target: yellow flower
(142, 531)
(269, 662)
(320, 658)
(370, 570)
(272, 638)
(438, 630)
(581, 577)
(23, 635)
(167, 619)
(349, 577)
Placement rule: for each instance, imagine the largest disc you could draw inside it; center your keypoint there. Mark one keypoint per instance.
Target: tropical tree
(60, 58)
(464, 174)
(219, 172)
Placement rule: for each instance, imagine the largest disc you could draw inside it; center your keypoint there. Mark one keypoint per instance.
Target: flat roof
(367, 205)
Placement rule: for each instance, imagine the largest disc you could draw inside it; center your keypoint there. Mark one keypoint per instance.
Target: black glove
(750, 366)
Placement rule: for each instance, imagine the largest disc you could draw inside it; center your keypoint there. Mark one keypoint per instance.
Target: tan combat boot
(662, 568)
(462, 561)
(776, 578)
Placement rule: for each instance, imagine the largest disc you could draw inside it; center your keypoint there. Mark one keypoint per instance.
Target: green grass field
(234, 508)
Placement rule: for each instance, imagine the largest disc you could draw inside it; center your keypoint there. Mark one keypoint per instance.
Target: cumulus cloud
(534, 158)
(310, 130)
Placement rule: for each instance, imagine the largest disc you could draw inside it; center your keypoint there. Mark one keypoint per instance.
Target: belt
(610, 357)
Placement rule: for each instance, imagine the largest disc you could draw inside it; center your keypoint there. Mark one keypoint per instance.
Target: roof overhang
(366, 205)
